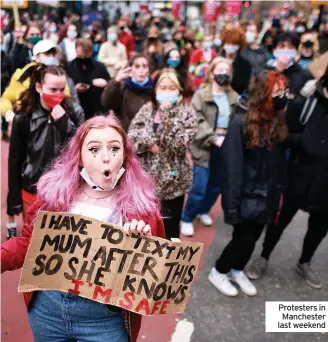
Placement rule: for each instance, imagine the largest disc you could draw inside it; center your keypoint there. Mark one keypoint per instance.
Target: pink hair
(135, 191)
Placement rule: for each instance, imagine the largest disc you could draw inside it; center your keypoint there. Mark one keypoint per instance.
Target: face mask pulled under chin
(94, 186)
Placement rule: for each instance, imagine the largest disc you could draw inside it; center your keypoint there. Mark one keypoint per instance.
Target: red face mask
(53, 99)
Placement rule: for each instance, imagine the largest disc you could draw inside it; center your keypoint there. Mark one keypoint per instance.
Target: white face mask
(230, 49)
(71, 34)
(250, 37)
(94, 186)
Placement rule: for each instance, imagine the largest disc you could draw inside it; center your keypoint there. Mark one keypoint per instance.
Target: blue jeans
(63, 317)
(205, 188)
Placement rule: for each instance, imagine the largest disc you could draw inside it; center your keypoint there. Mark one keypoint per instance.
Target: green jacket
(207, 111)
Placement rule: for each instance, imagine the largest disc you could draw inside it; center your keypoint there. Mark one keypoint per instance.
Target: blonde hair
(173, 77)
(208, 79)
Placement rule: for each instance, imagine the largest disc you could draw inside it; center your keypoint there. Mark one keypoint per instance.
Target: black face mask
(279, 103)
(308, 44)
(84, 61)
(222, 79)
(152, 39)
(270, 47)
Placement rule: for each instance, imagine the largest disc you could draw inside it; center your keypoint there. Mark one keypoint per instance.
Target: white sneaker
(222, 283)
(205, 219)
(187, 229)
(240, 278)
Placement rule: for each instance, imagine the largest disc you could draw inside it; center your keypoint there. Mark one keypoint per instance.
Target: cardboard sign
(96, 260)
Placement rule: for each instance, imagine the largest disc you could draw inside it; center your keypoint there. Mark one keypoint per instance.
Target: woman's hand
(99, 82)
(219, 141)
(137, 227)
(123, 74)
(57, 112)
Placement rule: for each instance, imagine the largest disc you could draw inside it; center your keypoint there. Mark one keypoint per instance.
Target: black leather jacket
(35, 141)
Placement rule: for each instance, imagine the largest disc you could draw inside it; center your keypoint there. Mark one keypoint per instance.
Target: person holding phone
(90, 78)
(130, 90)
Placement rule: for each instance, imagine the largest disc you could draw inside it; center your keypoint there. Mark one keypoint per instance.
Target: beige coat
(114, 57)
(207, 111)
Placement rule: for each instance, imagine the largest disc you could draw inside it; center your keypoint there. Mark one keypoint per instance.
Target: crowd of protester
(237, 112)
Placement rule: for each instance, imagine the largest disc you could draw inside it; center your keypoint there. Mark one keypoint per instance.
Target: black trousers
(171, 212)
(240, 248)
(317, 230)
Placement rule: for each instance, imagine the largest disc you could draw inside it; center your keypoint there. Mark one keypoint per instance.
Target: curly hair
(262, 125)
(234, 35)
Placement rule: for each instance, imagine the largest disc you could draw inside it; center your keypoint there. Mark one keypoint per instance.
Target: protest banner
(96, 260)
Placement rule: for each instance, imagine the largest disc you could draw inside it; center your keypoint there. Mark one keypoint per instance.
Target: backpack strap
(308, 110)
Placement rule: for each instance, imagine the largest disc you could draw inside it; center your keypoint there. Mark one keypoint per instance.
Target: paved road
(210, 316)
(217, 318)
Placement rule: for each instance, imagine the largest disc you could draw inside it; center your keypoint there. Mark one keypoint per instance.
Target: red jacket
(127, 40)
(13, 254)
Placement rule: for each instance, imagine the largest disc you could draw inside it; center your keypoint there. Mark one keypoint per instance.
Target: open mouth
(107, 174)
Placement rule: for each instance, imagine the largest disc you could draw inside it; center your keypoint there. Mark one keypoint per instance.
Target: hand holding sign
(96, 260)
(137, 227)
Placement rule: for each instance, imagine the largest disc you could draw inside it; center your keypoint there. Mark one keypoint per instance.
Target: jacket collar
(39, 112)
(208, 96)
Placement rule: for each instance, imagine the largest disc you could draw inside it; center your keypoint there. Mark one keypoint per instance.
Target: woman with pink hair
(96, 175)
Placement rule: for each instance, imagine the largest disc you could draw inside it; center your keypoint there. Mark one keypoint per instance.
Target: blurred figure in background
(308, 50)
(23, 51)
(51, 32)
(153, 47)
(254, 53)
(285, 52)
(233, 43)
(44, 52)
(200, 59)
(6, 73)
(68, 45)
(173, 59)
(130, 90)
(125, 37)
(90, 78)
(213, 103)
(113, 53)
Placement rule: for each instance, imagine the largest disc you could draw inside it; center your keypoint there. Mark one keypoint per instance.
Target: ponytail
(30, 98)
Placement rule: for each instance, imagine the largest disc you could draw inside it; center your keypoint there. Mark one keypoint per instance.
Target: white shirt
(70, 49)
(93, 211)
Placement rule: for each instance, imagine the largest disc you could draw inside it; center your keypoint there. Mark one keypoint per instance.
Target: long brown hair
(153, 32)
(262, 125)
(30, 98)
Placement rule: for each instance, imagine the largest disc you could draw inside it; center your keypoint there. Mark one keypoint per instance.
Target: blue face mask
(290, 53)
(207, 45)
(167, 97)
(49, 61)
(112, 37)
(173, 63)
(217, 42)
(140, 83)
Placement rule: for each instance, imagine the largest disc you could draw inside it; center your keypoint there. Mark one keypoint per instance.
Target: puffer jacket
(35, 141)
(207, 112)
(308, 161)
(252, 179)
